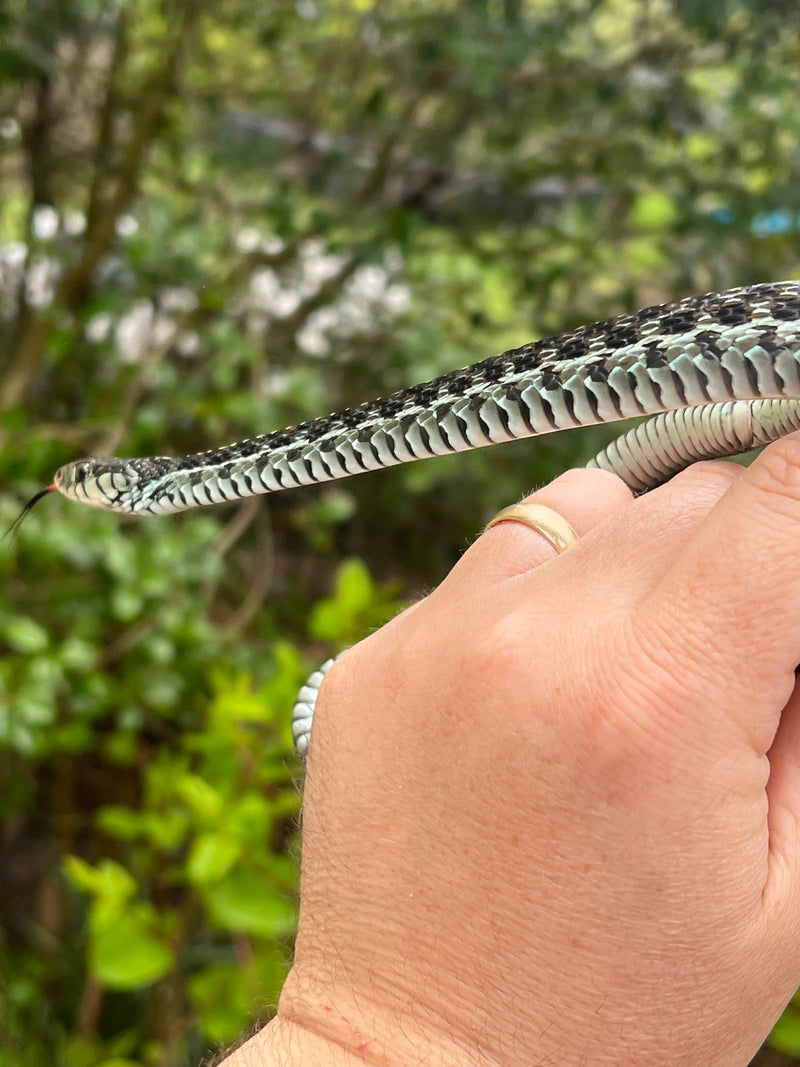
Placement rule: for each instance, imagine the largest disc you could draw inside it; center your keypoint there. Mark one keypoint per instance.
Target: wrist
(317, 1034)
(286, 1042)
(361, 1022)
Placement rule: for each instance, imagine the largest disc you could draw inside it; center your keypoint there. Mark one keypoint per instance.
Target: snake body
(720, 372)
(717, 374)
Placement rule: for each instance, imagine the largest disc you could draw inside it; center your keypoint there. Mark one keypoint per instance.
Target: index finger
(732, 596)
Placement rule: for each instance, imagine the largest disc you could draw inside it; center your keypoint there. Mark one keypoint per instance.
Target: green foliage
(357, 606)
(785, 1036)
(219, 219)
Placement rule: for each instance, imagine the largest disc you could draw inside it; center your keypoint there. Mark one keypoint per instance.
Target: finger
(737, 581)
(663, 520)
(781, 894)
(583, 497)
(784, 788)
(602, 512)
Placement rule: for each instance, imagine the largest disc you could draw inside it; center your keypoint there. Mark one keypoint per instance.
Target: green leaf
(785, 1036)
(82, 874)
(354, 586)
(167, 829)
(24, 635)
(75, 654)
(223, 1000)
(126, 953)
(354, 590)
(120, 822)
(108, 880)
(654, 211)
(251, 818)
(243, 902)
(199, 796)
(211, 857)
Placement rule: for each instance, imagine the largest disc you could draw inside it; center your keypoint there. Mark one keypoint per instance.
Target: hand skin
(552, 811)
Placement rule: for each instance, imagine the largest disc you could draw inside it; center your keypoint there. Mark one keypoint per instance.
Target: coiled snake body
(720, 374)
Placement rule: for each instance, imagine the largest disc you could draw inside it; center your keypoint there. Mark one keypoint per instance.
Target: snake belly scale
(732, 356)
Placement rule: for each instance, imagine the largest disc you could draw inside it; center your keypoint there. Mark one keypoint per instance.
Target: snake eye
(82, 473)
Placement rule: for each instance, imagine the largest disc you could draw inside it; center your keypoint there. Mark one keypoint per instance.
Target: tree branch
(105, 126)
(73, 287)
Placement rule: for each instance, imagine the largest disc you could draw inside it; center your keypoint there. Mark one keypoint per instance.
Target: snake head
(132, 486)
(110, 484)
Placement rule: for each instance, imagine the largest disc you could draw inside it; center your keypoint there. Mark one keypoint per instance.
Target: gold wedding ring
(553, 527)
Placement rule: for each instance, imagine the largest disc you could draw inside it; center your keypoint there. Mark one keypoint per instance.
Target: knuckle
(712, 476)
(586, 483)
(591, 477)
(498, 652)
(776, 473)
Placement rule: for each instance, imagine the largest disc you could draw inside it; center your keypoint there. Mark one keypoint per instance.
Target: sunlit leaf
(126, 953)
(243, 901)
(211, 857)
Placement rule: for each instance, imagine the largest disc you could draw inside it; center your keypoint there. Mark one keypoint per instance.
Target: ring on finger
(553, 527)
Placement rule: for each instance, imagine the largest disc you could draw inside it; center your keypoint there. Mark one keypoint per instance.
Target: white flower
(44, 222)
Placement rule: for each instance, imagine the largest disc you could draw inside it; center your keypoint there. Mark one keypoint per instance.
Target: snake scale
(718, 374)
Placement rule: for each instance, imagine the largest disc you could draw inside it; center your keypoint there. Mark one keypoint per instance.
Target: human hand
(552, 811)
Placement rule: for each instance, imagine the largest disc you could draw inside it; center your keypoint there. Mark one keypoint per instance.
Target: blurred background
(220, 219)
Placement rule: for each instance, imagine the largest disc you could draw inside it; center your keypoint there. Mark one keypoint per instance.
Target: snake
(714, 375)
